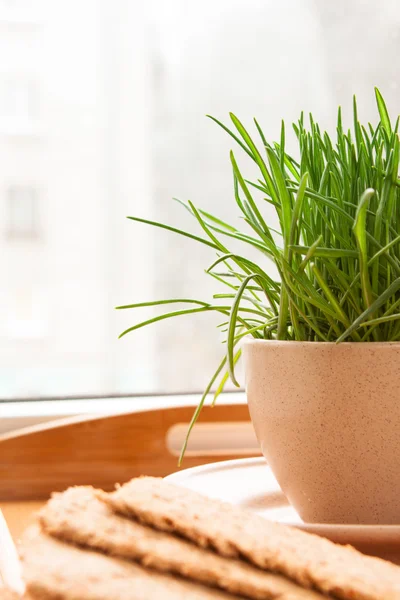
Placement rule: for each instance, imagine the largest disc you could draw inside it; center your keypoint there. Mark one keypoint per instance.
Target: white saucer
(250, 484)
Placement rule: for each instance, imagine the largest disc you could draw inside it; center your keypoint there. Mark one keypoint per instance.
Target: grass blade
(392, 289)
(383, 112)
(232, 325)
(175, 230)
(361, 236)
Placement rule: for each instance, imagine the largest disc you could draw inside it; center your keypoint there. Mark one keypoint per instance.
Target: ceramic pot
(327, 417)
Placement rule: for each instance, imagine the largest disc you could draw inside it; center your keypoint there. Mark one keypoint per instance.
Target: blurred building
(74, 103)
(102, 106)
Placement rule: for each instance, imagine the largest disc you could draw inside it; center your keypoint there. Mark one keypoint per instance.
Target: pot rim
(248, 340)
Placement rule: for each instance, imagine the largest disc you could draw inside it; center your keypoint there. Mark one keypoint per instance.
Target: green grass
(336, 250)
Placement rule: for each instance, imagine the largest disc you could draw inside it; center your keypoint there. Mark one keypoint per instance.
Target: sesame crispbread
(77, 516)
(309, 560)
(6, 594)
(54, 570)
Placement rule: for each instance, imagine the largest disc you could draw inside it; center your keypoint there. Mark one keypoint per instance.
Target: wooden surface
(19, 515)
(98, 451)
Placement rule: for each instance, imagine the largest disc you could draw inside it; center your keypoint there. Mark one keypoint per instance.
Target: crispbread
(308, 559)
(54, 570)
(78, 516)
(6, 594)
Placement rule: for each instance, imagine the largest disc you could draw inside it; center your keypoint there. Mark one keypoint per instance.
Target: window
(19, 12)
(18, 105)
(21, 212)
(121, 88)
(18, 99)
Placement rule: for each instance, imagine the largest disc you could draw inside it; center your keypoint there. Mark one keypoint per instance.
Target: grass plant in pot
(320, 340)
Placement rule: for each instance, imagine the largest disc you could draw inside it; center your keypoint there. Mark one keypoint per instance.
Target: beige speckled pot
(327, 418)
